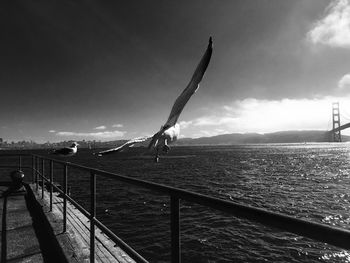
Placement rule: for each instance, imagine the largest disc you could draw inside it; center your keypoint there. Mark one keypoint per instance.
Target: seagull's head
(74, 144)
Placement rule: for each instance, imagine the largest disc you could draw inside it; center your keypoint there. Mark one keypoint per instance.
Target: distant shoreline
(282, 137)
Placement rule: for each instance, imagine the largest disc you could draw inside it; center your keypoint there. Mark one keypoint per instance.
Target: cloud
(207, 121)
(102, 127)
(99, 135)
(185, 124)
(252, 115)
(211, 122)
(344, 82)
(214, 120)
(52, 131)
(263, 116)
(118, 125)
(334, 28)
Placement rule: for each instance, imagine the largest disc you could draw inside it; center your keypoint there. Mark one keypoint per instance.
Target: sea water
(308, 181)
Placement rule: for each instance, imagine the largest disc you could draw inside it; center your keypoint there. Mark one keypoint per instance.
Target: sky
(109, 70)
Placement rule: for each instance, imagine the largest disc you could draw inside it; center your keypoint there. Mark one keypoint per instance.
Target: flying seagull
(67, 151)
(170, 131)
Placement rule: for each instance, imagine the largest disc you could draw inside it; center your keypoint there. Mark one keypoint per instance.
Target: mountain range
(256, 138)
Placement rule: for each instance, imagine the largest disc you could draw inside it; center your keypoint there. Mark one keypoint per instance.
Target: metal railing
(320, 232)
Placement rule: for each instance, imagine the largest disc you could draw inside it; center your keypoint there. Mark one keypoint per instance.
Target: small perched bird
(67, 151)
(170, 131)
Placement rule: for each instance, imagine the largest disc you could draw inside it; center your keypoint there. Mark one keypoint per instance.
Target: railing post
(51, 181)
(19, 162)
(33, 167)
(92, 215)
(36, 173)
(175, 229)
(65, 172)
(42, 177)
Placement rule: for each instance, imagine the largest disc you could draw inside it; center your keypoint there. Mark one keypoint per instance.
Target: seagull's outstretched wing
(186, 94)
(191, 87)
(128, 144)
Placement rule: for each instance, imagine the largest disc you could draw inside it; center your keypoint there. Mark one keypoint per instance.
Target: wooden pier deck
(32, 233)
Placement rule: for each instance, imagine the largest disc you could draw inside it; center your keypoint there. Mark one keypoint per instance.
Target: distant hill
(254, 138)
(223, 139)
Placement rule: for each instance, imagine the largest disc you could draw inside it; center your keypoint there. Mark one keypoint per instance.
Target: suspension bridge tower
(336, 122)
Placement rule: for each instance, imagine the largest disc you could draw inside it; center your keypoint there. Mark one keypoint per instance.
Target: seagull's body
(170, 131)
(67, 151)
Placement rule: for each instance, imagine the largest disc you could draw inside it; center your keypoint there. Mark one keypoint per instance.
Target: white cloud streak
(98, 135)
(185, 124)
(334, 28)
(52, 131)
(118, 125)
(102, 127)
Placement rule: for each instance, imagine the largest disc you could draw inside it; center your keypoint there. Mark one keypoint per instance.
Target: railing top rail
(15, 154)
(324, 233)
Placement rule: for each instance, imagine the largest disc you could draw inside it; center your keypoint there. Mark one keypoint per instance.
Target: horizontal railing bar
(79, 207)
(57, 189)
(130, 251)
(321, 232)
(16, 154)
(15, 167)
(301, 227)
(60, 161)
(35, 170)
(103, 228)
(43, 177)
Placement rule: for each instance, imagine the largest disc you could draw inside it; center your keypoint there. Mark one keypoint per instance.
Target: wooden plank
(78, 232)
